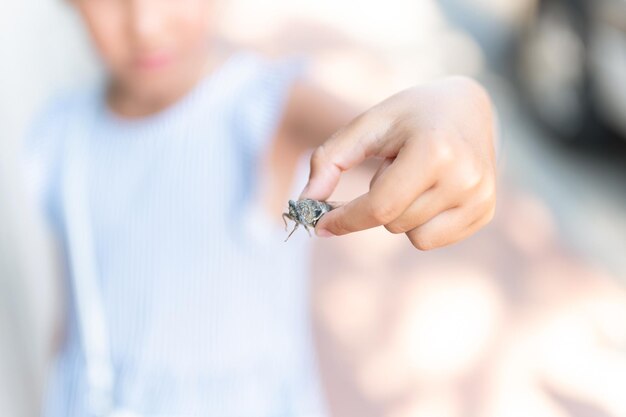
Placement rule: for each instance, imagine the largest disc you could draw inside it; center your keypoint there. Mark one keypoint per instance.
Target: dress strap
(91, 320)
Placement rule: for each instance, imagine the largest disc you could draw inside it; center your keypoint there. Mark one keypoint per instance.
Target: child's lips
(153, 62)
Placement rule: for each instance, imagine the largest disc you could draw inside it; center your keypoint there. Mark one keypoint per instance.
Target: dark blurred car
(570, 65)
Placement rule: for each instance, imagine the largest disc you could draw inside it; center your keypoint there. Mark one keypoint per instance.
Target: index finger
(408, 176)
(350, 146)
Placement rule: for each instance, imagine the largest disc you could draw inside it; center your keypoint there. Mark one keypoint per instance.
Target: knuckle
(318, 156)
(383, 212)
(470, 179)
(441, 152)
(487, 193)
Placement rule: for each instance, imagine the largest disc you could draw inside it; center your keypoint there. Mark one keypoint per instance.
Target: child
(161, 184)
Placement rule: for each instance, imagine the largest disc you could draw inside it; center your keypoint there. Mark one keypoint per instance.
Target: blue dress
(206, 309)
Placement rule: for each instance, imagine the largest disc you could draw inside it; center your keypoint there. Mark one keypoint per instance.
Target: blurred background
(527, 318)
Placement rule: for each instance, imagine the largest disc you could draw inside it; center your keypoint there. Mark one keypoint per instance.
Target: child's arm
(436, 182)
(312, 114)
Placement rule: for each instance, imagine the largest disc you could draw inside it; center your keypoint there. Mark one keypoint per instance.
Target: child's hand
(437, 179)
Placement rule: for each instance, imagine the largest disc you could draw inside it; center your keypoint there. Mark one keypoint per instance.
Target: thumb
(346, 149)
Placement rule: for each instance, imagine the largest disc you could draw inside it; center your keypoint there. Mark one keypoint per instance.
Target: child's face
(150, 46)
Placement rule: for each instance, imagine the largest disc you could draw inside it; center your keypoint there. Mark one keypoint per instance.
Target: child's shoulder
(56, 113)
(263, 88)
(42, 143)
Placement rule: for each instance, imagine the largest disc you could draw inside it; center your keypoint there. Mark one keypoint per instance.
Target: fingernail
(323, 233)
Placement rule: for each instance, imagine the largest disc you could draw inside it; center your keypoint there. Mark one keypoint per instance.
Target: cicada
(306, 213)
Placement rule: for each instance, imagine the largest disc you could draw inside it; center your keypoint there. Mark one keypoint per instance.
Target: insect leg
(285, 221)
(308, 230)
(294, 229)
(315, 220)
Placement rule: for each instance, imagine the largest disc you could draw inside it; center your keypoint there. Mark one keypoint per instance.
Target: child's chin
(154, 74)
(151, 81)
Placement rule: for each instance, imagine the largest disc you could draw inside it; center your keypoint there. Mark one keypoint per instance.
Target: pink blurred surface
(507, 323)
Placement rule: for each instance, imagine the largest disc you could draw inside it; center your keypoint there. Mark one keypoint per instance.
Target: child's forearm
(313, 114)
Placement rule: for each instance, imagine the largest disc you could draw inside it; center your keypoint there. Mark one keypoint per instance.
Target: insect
(306, 213)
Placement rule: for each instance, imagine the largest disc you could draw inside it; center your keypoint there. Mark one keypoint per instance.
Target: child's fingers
(392, 193)
(383, 166)
(345, 149)
(457, 187)
(450, 226)
(431, 203)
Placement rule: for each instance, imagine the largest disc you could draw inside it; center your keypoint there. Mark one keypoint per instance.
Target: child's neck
(128, 102)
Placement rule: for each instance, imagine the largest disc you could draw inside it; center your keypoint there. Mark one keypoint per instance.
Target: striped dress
(207, 310)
